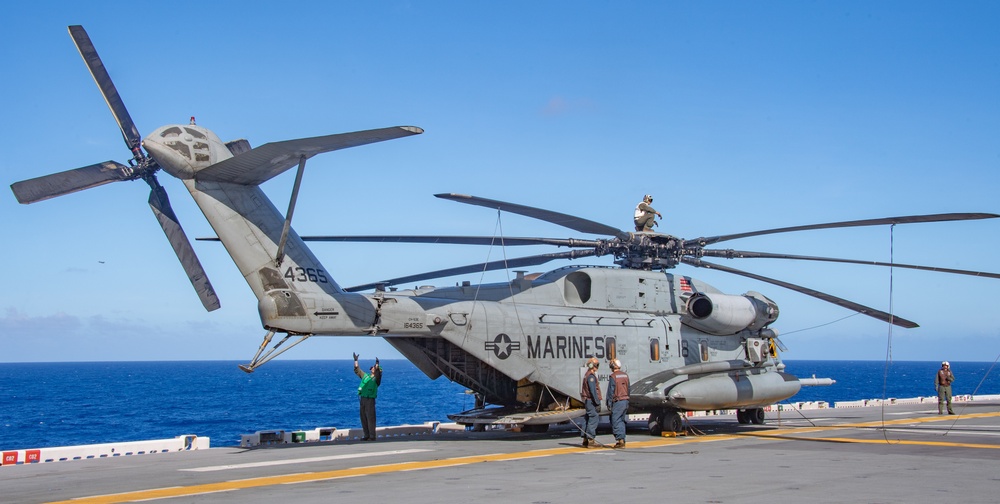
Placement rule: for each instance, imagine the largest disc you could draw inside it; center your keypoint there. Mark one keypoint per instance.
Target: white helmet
(945, 363)
(617, 364)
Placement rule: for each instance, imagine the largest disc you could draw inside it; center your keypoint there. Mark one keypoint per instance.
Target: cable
(988, 371)
(855, 314)
(888, 345)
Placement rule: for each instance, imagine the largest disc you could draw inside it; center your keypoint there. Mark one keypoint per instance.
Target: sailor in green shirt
(367, 392)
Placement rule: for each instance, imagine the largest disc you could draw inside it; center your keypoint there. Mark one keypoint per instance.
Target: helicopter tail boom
(292, 286)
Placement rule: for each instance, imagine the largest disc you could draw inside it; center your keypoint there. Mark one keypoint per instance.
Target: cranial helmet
(648, 197)
(593, 363)
(617, 364)
(945, 363)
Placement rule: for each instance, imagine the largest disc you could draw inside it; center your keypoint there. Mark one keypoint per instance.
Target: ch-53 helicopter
(519, 345)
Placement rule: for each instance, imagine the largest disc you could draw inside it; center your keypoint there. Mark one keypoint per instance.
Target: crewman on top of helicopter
(645, 215)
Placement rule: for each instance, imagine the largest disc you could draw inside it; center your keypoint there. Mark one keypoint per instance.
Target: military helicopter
(519, 345)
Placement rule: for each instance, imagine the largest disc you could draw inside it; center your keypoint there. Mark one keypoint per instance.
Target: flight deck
(892, 453)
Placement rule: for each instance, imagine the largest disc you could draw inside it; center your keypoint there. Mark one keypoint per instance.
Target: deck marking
(300, 460)
(794, 433)
(183, 491)
(166, 493)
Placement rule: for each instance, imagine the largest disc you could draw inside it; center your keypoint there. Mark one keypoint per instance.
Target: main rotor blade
(77, 179)
(561, 219)
(160, 204)
(850, 305)
(474, 268)
(456, 240)
(743, 254)
(910, 219)
(83, 44)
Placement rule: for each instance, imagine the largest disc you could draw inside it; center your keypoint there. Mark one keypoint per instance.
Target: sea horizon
(44, 404)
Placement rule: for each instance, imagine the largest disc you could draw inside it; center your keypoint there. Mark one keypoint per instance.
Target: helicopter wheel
(756, 416)
(656, 423)
(742, 416)
(672, 422)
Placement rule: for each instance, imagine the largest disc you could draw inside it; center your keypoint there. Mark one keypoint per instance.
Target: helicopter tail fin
(250, 226)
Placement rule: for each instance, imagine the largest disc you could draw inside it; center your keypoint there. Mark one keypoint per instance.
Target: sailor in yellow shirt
(367, 392)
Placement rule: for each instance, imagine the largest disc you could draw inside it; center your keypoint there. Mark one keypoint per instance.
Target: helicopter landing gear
(665, 421)
(259, 360)
(751, 416)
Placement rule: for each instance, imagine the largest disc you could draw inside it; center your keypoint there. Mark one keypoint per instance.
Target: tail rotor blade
(160, 204)
(129, 132)
(69, 181)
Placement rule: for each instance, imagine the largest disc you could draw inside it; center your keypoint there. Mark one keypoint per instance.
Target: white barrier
(329, 434)
(123, 449)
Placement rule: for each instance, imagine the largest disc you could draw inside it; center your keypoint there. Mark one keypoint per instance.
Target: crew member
(367, 392)
(645, 215)
(618, 386)
(942, 383)
(590, 394)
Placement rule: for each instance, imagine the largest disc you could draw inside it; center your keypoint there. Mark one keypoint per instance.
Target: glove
(376, 362)
(355, 357)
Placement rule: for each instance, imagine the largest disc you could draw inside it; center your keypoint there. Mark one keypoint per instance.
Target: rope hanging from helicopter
(482, 275)
(888, 343)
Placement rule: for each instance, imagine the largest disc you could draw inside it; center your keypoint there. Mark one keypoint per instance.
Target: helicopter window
(654, 349)
(577, 288)
(169, 132)
(195, 133)
(180, 148)
(201, 152)
(609, 345)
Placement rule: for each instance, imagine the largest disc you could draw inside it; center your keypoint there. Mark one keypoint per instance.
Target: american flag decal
(685, 286)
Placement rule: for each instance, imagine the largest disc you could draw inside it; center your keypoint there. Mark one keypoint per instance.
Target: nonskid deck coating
(901, 453)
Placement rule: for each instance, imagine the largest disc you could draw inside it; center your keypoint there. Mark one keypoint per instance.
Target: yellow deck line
(791, 433)
(781, 433)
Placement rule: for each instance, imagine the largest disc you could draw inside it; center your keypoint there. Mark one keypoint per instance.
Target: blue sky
(737, 116)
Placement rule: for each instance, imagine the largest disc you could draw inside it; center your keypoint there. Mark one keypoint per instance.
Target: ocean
(63, 404)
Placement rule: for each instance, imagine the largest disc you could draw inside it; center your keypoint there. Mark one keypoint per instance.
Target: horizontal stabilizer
(262, 163)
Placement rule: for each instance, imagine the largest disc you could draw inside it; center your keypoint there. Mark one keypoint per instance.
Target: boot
(586, 442)
(620, 444)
